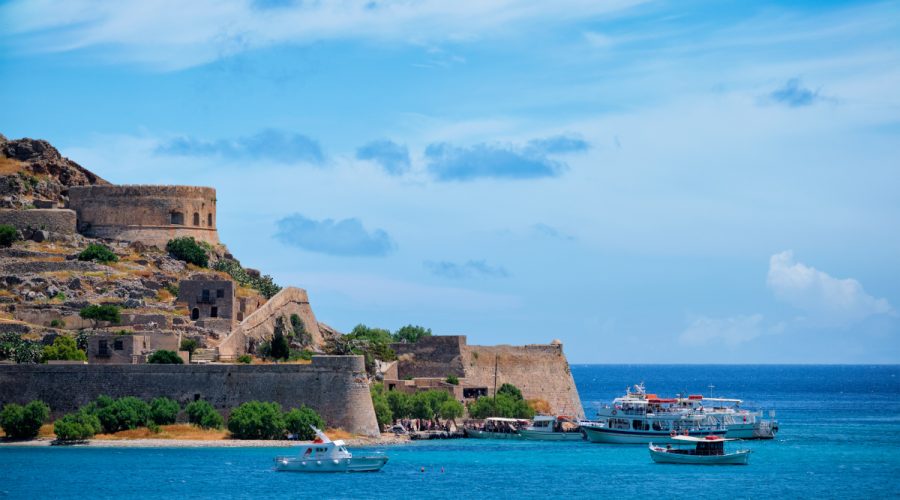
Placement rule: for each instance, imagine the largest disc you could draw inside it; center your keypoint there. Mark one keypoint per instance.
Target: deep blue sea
(839, 438)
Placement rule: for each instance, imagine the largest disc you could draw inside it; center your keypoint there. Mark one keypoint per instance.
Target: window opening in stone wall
(240, 316)
(213, 312)
(209, 220)
(196, 219)
(195, 314)
(177, 218)
(117, 345)
(205, 296)
(220, 293)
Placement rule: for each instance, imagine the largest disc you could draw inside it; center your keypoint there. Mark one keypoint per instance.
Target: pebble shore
(361, 441)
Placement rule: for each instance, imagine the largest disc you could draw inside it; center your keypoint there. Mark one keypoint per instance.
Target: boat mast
(494, 406)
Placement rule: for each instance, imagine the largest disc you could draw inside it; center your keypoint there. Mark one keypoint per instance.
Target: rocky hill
(32, 171)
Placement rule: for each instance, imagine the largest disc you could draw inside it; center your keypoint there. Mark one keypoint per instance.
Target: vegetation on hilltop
(8, 235)
(264, 284)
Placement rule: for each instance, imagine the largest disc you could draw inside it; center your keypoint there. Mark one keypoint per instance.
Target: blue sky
(649, 181)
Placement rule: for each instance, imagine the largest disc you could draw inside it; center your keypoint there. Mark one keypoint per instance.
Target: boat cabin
(705, 446)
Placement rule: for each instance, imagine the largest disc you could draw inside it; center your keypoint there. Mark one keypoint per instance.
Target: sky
(647, 181)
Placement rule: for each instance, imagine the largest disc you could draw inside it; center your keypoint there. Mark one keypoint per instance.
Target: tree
(188, 250)
(400, 404)
(510, 390)
(189, 345)
(97, 313)
(411, 334)
(123, 414)
(202, 414)
(280, 347)
(372, 343)
(164, 357)
(452, 379)
(76, 426)
(264, 284)
(23, 422)
(98, 253)
(8, 235)
(301, 336)
(451, 410)
(63, 348)
(503, 405)
(298, 421)
(164, 411)
(383, 413)
(256, 420)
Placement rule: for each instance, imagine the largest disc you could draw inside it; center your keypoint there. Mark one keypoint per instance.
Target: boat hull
(355, 464)
(550, 436)
(750, 431)
(479, 434)
(617, 436)
(661, 456)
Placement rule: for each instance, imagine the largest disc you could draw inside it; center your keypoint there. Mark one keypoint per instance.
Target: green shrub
(98, 253)
(63, 348)
(304, 354)
(245, 358)
(510, 390)
(57, 323)
(298, 420)
(452, 379)
(23, 422)
(451, 410)
(164, 357)
(164, 411)
(264, 284)
(189, 345)
(188, 250)
(280, 347)
(503, 405)
(202, 414)
(77, 426)
(172, 288)
(123, 414)
(257, 420)
(400, 404)
(97, 313)
(8, 235)
(15, 348)
(411, 334)
(383, 413)
(153, 427)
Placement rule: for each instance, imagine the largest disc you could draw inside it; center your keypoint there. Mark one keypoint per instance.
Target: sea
(839, 438)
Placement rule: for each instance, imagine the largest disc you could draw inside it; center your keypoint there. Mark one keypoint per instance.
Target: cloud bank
(273, 145)
(345, 237)
(501, 161)
(469, 269)
(824, 298)
(392, 157)
(794, 95)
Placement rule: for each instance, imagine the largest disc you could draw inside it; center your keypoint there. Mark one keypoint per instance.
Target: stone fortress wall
(335, 386)
(44, 219)
(150, 214)
(541, 371)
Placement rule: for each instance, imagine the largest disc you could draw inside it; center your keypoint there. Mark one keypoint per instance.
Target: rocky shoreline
(359, 441)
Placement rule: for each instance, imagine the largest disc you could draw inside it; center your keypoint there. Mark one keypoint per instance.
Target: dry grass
(164, 295)
(10, 166)
(338, 433)
(244, 292)
(175, 431)
(540, 406)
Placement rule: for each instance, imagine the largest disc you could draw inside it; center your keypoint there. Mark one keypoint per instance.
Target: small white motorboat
(325, 455)
(552, 428)
(709, 450)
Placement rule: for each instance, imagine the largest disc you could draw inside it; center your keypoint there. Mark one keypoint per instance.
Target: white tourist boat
(325, 455)
(639, 418)
(552, 428)
(739, 422)
(708, 450)
(497, 428)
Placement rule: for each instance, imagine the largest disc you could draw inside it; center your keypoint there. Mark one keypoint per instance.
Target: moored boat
(708, 450)
(325, 455)
(552, 428)
(497, 428)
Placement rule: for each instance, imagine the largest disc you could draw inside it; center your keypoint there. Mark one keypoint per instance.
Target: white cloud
(827, 300)
(732, 331)
(172, 34)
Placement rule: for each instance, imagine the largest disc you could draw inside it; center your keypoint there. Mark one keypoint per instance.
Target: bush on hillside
(298, 422)
(202, 414)
(14, 347)
(264, 284)
(98, 253)
(8, 235)
(187, 249)
(452, 379)
(63, 348)
(411, 334)
(245, 358)
(510, 390)
(189, 345)
(23, 422)
(257, 420)
(97, 313)
(164, 357)
(76, 426)
(164, 411)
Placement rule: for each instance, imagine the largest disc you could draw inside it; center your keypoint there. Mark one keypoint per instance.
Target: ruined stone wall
(150, 214)
(335, 386)
(540, 371)
(51, 220)
(260, 325)
(435, 356)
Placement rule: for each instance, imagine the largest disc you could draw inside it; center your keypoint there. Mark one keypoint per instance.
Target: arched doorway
(196, 219)
(195, 314)
(209, 220)
(177, 218)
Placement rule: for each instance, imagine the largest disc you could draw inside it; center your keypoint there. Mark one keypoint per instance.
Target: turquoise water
(840, 437)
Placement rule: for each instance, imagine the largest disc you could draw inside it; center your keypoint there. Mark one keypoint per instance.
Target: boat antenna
(494, 406)
(711, 387)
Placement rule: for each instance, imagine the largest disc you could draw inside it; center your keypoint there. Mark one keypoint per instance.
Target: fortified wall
(51, 220)
(335, 386)
(150, 214)
(541, 371)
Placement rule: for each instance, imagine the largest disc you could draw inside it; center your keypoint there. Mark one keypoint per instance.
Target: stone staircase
(203, 356)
